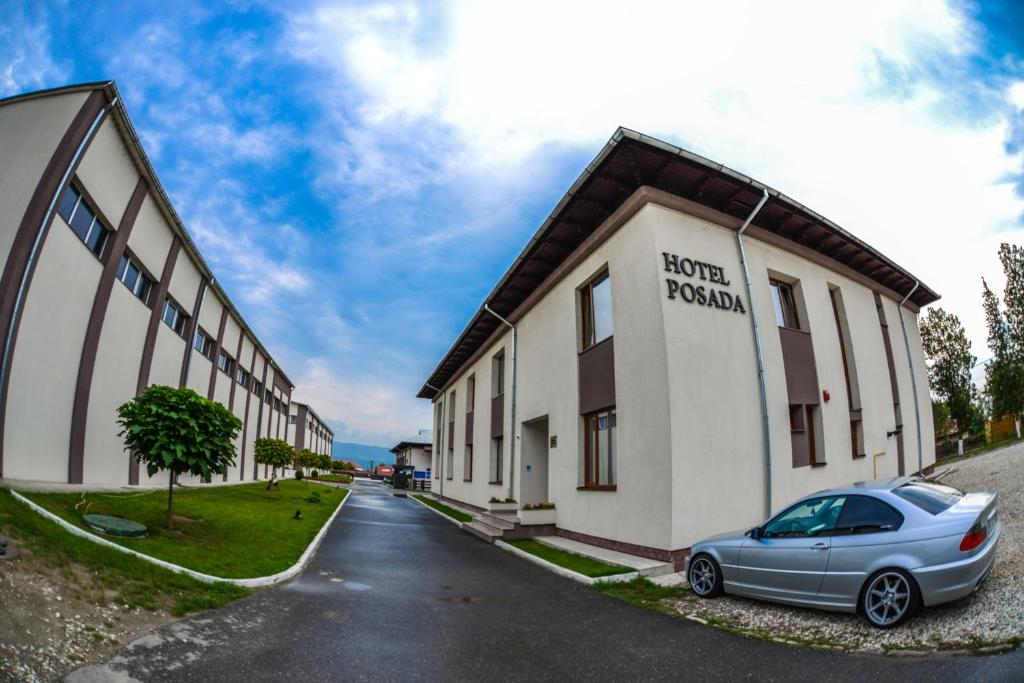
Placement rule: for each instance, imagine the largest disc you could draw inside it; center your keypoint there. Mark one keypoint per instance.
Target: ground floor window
(467, 463)
(599, 449)
(497, 448)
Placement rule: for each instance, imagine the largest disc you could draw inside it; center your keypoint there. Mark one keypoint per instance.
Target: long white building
(103, 293)
(624, 369)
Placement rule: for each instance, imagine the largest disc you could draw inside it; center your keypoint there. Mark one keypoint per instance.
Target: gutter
(765, 433)
(913, 379)
(512, 447)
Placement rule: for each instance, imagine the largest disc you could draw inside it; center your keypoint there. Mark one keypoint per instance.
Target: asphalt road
(397, 593)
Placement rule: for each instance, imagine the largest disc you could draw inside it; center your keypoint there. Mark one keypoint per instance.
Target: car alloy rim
(887, 598)
(702, 576)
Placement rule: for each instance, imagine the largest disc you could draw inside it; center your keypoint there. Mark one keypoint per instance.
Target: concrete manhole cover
(115, 526)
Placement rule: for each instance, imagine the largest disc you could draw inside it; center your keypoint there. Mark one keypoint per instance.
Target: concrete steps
(483, 530)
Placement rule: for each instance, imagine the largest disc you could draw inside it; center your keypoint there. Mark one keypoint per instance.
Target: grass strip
(234, 532)
(339, 478)
(444, 509)
(642, 592)
(94, 570)
(577, 563)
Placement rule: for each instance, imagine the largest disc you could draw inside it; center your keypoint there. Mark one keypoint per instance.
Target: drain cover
(115, 526)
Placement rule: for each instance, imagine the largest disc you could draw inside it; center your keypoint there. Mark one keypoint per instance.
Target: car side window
(814, 517)
(867, 515)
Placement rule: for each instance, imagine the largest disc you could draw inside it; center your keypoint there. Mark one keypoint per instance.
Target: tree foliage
(949, 364)
(179, 431)
(1004, 373)
(273, 452)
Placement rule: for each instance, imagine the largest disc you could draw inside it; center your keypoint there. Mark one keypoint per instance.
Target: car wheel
(889, 598)
(705, 577)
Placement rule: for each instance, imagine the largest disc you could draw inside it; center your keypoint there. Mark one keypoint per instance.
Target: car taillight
(975, 537)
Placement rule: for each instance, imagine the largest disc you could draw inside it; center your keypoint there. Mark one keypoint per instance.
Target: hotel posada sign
(703, 284)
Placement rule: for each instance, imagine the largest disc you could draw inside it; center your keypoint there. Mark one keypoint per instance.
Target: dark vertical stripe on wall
(19, 265)
(216, 351)
(259, 418)
(287, 415)
(146, 364)
(233, 382)
(190, 337)
(893, 383)
(87, 365)
(300, 427)
(245, 420)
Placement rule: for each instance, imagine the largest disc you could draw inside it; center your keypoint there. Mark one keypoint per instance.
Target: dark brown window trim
(587, 309)
(598, 487)
(818, 464)
(496, 483)
(860, 455)
(467, 480)
(782, 285)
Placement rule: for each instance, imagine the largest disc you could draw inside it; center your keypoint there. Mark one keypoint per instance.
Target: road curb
(562, 571)
(437, 512)
(256, 582)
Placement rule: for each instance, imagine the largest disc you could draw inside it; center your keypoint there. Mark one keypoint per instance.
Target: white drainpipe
(512, 447)
(765, 433)
(913, 380)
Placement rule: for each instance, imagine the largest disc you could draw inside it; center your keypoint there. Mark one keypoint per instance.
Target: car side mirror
(755, 533)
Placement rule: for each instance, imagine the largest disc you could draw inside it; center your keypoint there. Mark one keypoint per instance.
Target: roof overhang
(629, 162)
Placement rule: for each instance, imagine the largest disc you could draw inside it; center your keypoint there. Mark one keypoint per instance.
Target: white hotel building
(103, 293)
(680, 350)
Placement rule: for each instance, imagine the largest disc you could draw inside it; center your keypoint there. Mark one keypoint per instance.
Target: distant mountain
(362, 453)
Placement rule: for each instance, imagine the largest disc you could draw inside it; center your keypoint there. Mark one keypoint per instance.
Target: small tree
(273, 452)
(179, 431)
(948, 353)
(305, 459)
(324, 462)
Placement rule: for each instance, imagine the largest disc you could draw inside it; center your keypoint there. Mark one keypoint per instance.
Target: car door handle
(819, 546)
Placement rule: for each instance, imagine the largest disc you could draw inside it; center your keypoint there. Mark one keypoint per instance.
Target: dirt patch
(55, 619)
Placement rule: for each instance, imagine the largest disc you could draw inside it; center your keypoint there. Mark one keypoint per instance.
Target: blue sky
(360, 174)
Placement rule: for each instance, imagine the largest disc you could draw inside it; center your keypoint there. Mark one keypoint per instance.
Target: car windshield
(930, 497)
(808, 518)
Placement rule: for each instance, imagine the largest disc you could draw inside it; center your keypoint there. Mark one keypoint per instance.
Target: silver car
(881, 548)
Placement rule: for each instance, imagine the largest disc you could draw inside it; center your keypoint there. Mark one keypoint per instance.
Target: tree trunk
(170, 503)
(960, 446)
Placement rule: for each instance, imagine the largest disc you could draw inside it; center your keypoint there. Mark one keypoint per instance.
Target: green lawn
(240, 531)
(642, 592)
(577, 563)
(441, 507)
(92, 570)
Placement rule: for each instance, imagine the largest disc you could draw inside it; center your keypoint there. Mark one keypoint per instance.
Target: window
(131, 274)
(449, 462)
(785, 305)
(291, 419)
(467, 463)
(242, 377)
(174, 317)
(814, 517)
(932, 498)
(596, 310)
(277, 404)
(497, 451)
(866, 515)
(849, 373)
(599, 449)
(225, 362)
(257, 388)
(498, 375)
(470, 393)
(267, 395)
(82, 219)
(203, 344)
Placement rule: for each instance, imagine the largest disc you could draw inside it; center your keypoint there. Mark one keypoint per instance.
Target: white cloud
(24, 53)
(836, 105)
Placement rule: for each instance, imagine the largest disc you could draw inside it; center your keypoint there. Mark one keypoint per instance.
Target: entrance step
(483, 530)
(497, 520)
(642, 565)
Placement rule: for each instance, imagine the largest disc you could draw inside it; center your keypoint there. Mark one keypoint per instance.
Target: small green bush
(313, 497)
(298, 475)
(314, 474)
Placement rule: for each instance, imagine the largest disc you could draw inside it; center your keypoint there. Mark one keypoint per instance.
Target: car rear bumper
(946, 582)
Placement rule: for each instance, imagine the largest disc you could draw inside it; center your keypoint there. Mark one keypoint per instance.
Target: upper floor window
(470, 393)
(225, 362)
(784, 302)
(267, 395)
(133, 277)
(498, 375)
(257, 388)
(242, 377)
(174, 317)
(596, 310)
(83, 220)
(203, 343)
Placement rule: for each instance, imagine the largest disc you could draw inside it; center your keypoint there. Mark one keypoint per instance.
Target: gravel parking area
(992, 619)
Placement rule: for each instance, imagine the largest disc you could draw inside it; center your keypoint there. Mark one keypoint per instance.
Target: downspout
(913, 379)
(440, 437)
(512, 447)
(19, 299)
(765, 434)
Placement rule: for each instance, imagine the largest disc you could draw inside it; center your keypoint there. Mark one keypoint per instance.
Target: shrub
(313, 497)
(314, 474)
(298, 475)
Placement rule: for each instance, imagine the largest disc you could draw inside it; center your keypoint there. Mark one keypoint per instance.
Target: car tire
(705, 576)
(889, 597)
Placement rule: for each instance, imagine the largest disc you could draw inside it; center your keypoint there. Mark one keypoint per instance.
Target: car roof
(873, 486)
